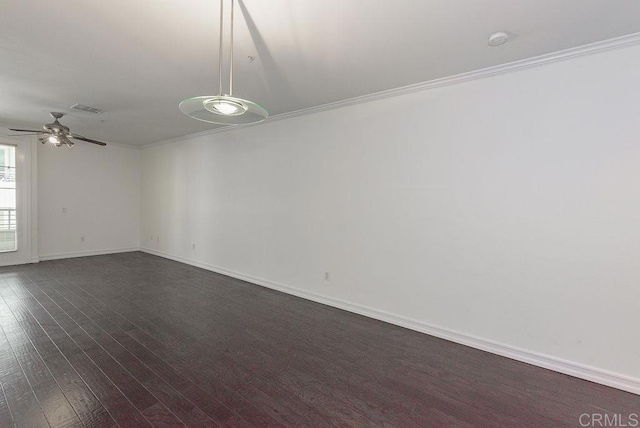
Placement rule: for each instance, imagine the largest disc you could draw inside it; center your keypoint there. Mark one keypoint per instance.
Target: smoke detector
(499, 38)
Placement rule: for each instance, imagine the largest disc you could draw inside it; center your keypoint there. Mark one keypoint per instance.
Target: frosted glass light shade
(223, 110)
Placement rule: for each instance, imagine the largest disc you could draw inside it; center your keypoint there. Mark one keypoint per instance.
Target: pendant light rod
(220, 48)
(231, 54)
(224, 109)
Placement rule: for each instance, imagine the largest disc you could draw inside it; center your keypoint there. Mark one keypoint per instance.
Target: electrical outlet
(82, 239)
(193, 246)
(327, 276)
(64, 210)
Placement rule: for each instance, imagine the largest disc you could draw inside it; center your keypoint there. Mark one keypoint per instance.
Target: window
(8, 241)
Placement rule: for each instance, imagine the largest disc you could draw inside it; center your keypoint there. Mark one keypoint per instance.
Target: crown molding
(541, 60)
(123, 145)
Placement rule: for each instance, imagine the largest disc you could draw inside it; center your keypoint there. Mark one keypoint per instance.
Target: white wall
(100, 189)
(505, 208)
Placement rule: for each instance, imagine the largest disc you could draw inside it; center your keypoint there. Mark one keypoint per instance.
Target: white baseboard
(593, 374)
(16, 263)
(44, 257)
(25, 261)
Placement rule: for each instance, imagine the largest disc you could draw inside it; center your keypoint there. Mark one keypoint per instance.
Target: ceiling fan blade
(22, 135)
(88, 140)
(26, 130)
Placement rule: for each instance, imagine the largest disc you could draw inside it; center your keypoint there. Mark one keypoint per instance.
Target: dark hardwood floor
(136, 340)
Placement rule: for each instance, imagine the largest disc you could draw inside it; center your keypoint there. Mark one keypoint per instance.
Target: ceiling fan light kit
(56, 140)
(224, 109)
(57, 134)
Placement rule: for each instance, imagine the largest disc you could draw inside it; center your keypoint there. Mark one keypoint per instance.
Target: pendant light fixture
(224, 109)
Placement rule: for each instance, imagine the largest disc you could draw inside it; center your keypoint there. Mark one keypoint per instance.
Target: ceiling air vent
(78, 106)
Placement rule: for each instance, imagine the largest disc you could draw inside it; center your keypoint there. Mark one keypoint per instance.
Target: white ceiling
(138, 59)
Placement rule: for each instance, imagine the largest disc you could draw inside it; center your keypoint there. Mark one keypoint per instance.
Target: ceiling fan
(57, 134)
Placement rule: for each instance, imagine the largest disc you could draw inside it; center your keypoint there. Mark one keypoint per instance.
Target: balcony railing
(7, 219)
(8, 174)
(8, 229)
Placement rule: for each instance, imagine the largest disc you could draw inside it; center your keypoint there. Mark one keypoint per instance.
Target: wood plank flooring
(134, 340)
